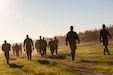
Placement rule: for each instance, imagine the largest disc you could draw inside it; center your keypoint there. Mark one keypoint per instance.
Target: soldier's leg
(107, 50)
(30, 55)
(73, 48)
(56, 50)
(44, 51)
(27, 55)
(17, 53)
(51, 49)
(73, 55)
(7, 57)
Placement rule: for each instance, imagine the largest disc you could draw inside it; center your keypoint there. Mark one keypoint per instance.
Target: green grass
(88, 56)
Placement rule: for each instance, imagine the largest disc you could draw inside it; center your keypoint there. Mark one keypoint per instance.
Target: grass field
(89, 61)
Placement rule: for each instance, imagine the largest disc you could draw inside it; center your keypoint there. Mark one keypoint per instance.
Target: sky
(50, 18)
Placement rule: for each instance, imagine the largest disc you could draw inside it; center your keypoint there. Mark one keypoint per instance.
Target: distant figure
(41, 47)
(20, 47)
(37, 45)
(104, 38)
(71, 37)
(51, 46)
(56, 44)
(28, 46)
(17, 49)
(13, 49)
(44, 45)
(6, 48)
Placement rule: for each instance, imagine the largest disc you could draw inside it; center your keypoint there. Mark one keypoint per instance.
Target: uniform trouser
(73, 49)
(44, 51)
(41, 51)
(106, 50)
(7, 56)
(105, 43)
(52, 50)
(56, 48)
(29, 55)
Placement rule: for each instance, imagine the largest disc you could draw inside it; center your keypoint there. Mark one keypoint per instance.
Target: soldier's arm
(109, 34)
(78, 39)
(32, 44)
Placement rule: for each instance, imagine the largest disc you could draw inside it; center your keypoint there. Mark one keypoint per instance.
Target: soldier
(41, 46)
(17, 48)
(44, 45)
(28, 46)
(71, 37)
(104, 38)
(37, 45)
(13, 49)
(51, 46)
(20, 46)
(56, 44)
(6, 48)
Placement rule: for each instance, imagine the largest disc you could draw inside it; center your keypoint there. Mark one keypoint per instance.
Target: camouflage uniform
(28, 45)
(56, 45)
(71, 38)
(104, 38)
(51, 46)
(41, 49)
(6, 48)
(44, 46)
(17, 48)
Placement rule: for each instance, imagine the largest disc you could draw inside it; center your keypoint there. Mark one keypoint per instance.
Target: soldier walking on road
(28, 46)
(6, 48)
(71, 37)
(104, 38)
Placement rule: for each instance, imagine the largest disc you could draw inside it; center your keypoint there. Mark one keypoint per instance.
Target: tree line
(86, 36)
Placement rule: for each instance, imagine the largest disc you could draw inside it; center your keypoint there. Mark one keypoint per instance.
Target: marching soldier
(104, 38)
(71, 37)
(28, 46)
(6, 48)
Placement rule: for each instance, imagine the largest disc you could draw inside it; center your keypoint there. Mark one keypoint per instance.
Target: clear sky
(51, 17)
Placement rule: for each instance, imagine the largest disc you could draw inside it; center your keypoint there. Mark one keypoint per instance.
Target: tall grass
(88, 55)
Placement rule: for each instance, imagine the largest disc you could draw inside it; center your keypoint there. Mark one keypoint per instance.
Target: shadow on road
(12, 65)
